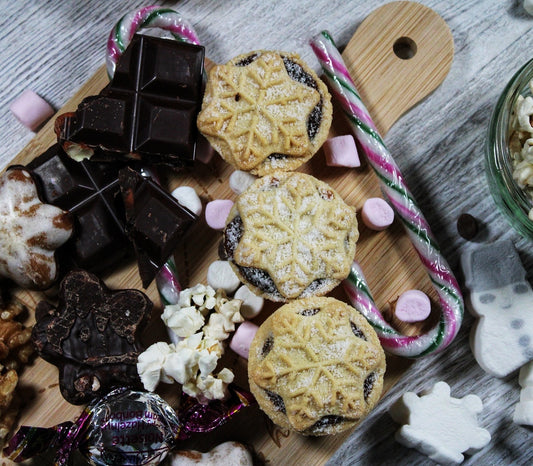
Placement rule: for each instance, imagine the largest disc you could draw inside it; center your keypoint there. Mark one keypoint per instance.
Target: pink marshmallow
(412, 306)
(341, 151)
(31, 110)
(204, 150)
(377, 214)
(216, 213)
(242, 338)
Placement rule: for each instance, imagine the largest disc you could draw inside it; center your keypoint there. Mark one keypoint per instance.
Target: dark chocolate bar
(149, 109)
(156, 222)
(91, 336)
(91, 193)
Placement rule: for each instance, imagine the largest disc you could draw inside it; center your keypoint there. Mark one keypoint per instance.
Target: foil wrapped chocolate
(126, 427)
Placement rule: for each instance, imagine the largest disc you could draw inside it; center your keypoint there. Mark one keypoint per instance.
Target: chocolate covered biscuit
(91, 336)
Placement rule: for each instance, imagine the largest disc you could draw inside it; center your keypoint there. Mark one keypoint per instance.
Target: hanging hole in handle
(404, 48)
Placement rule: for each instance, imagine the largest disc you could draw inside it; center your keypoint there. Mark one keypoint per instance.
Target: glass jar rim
(508, 195)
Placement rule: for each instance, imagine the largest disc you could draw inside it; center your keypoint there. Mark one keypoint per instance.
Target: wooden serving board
(389, 85)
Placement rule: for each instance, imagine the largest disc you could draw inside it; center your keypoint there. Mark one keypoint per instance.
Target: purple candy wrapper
(126, 427)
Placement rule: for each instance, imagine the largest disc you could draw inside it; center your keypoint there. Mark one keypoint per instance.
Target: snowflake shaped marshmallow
(438, 425)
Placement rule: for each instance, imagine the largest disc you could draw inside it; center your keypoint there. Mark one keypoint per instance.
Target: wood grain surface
(436, 145)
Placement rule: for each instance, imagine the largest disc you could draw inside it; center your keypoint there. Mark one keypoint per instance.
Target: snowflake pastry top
(439, 426)
(30, 232)
(316, 366)
(291, 236)
(265, 110)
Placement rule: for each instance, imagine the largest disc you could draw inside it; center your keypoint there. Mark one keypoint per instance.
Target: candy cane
(144, 18)
(395, 189)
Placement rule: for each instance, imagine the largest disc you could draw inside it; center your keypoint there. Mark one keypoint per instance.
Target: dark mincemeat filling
(257, 277)
(267, 346)
(324, 422)
(309, 312)
(277, 401)
(297, 73)
(357, 331)
(368, 385)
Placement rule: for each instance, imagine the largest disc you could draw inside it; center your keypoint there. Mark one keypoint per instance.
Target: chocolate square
(149, 109)
(156, 222)
(91, 193)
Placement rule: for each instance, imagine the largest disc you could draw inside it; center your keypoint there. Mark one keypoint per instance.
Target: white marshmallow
(523, 412)
(251, 303)
(438, 425)
(228, 453)
(239, 181)
(188, 198)
(220, 275)
(528, 6)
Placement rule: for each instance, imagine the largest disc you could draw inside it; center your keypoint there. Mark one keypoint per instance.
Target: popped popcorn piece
(223, 322)
(199, 295)
(150, 365)
(251, 305)
(183, 321)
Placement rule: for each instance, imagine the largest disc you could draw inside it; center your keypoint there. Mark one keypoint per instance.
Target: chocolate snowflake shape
(30, 232)
(91, 336)
(257, 110)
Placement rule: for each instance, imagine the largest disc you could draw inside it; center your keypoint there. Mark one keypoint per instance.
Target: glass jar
(512, 200)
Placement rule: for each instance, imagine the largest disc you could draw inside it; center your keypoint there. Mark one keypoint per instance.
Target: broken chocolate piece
(91, 336)
(149, 109)
(91, 193)
(156, 221)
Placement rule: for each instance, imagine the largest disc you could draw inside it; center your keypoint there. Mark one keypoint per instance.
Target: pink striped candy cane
(393, 186)
(144, 18)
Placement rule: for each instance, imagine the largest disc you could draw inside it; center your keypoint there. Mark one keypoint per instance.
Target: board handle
(398, 55)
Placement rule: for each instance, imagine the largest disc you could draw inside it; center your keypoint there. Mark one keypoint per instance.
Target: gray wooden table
(54, 46)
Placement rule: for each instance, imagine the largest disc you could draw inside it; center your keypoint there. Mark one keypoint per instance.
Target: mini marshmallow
(341, 151)
(251, 303)
(412, 306)
(239, 181)
(523, 412)
(438, 425)
(242, 338)
(377, 214)
(220, 275)
(216, 213)
(188, 198)
(31, 110)
(204, 150)
(229, 453)
(528, 6)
